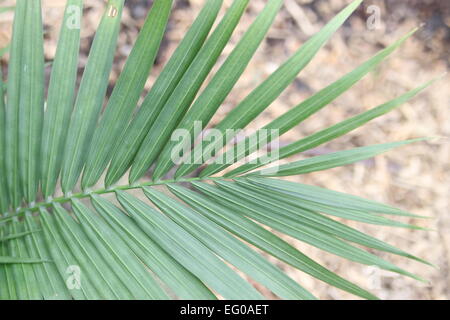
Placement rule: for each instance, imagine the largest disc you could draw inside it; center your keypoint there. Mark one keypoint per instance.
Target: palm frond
(204, 236)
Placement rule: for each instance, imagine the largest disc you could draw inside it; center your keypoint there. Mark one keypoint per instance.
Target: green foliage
(107, 242)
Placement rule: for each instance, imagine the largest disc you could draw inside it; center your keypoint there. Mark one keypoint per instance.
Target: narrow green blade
(228, 247)
(296, 115)
(185, 93)
(8, 285)
(328, 197)
(90, 95)
(227, 211)
(89, 260)
(328, 134)
(260, 98)
(320, 222)
(13, 101)
(183, 283)
(51, 284)
(19, 260)
(60, 98)
(31, 106)
(345, 213)
(4, 197)
(187, 250)
(65, 261)
(127, 91)
(17, 235)
(262, 211)
(331, 160)
(22, 269)
(118, 255)
(4, 288)
(220, 86)
(131, 139)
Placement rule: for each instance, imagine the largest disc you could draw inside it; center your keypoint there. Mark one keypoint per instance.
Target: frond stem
(85, 194)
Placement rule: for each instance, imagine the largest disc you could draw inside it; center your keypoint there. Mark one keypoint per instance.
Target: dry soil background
(415, 177)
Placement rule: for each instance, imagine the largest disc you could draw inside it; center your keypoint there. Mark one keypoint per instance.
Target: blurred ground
(415, 177)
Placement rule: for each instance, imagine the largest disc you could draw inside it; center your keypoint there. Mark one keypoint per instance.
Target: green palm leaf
(60, 98)
(127, 91)
(163, 88)
(335, 159)
(199, 237)
(185, 92)
(11, 130)
(31, 106)
(90, 95)
(4, 195)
